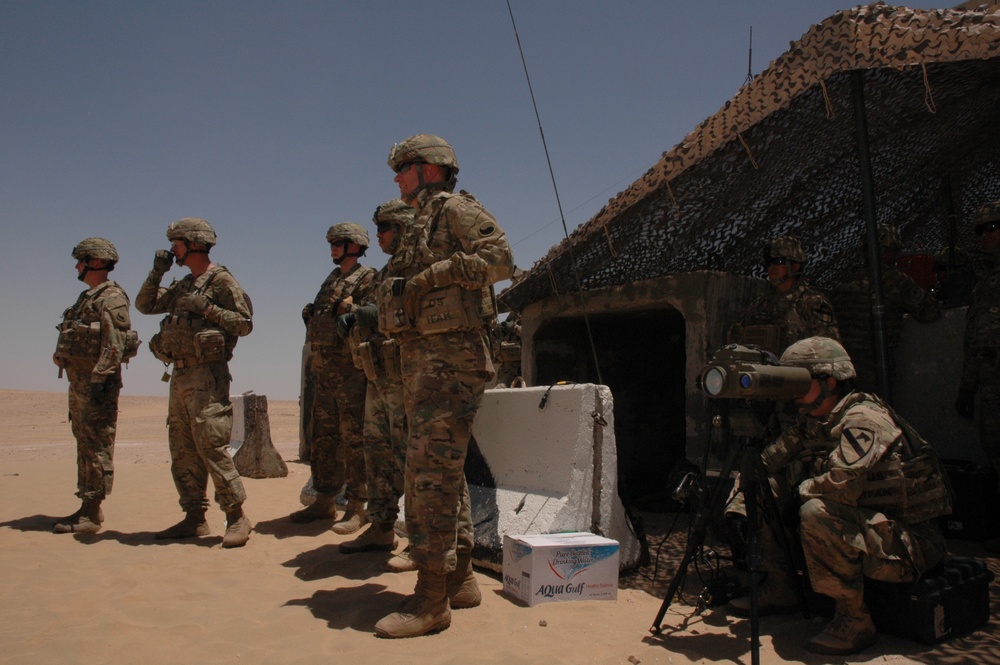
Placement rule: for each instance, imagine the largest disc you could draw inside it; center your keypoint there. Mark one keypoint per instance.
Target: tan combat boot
(429, 613)
(193, 525)
(323, 508)
(89, 520)
(237, 528)
(851, 630)
(462, 588)
(75, 517)
(354, 518)
(401, 563)
(378, 538)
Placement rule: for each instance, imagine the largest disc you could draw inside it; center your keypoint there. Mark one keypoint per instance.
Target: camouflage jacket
(230, 310)
(321, 330)
(873, 463)
(982, 330)
(104, 308)
(902, 296)
(800, 313)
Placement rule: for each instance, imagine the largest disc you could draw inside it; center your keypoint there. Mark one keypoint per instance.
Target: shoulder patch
(855, 442)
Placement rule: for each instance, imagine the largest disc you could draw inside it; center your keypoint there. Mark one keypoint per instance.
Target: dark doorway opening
(642, 361)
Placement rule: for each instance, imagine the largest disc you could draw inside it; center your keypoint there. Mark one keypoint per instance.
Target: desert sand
(289, 596)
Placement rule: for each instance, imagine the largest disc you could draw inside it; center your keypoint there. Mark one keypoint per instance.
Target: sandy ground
(289, 597)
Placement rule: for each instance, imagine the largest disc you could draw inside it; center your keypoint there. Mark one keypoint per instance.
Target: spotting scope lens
(713, 381)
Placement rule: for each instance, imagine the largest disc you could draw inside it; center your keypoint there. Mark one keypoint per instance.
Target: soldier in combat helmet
(385, 411)
(791, 310)
(981, 358)
(207, 312)
(95, 338)
(871, 508)
(450, 258)
(336, 451)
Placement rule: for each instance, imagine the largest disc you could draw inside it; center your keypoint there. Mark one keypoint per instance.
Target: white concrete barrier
(551, 466)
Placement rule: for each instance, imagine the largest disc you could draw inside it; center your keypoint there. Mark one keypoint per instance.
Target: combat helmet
(888, 237)
(822, 356)
(426, 148)
(96, 248)
(349, 231)
(787, 247)
(192, 229)
(989, 212)
(395, 211)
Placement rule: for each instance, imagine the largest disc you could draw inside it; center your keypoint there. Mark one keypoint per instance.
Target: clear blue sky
(273, 121)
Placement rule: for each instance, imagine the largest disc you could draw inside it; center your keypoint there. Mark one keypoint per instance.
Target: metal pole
(873, 251)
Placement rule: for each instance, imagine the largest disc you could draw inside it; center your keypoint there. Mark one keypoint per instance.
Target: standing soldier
(95, 338)
(902, 296)
(336, 451)
(981, 361)
(385, 415)
(207, 312)
(792, 310)
(453, 254)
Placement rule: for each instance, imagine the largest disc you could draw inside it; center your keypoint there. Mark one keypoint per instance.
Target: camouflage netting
(781, 157)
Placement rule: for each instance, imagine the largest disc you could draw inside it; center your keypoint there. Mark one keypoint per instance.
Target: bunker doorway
(641, 355)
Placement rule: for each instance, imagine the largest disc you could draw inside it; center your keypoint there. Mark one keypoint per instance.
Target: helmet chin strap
(188, 252)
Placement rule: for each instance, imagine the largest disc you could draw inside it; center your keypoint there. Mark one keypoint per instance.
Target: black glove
(98, 391)
(195, 303)
(965, 405)
(162, 261)
(367, 317)
(307, 313)
(344, 324)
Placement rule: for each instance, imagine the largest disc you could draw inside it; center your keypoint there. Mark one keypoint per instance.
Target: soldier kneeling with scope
(871, 489)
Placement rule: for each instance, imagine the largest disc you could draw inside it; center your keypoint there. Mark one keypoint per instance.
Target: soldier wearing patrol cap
(981, 359)
(438, 308)
(206, 313)
(792, 309)
(336, 420)
(872, 507)
(95, 338)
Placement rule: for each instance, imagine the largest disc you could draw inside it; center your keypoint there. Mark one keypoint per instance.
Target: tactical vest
(188, 339)
(80, 332)
(985, 305)
(322, 327)
(442, 309)
(908, 481)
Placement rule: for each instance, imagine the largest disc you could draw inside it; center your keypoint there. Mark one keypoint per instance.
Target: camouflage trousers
(385, 448)
(772, 556)
(444, 380)
(199, 425)
(94, 422)
(844, 544)
(336, 452)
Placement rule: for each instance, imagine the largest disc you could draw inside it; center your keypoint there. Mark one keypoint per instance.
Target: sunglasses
(987, 227)
(406, 167)
(383, 227)
(339, 243)
(776, 261)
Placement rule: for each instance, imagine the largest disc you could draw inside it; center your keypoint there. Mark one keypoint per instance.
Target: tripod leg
(696, 537)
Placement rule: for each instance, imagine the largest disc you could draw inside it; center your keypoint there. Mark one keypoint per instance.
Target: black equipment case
(950, 600)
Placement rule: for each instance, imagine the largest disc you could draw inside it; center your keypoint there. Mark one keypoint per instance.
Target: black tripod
(744, 423)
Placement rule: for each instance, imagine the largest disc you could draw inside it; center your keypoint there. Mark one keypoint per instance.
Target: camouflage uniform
(872, 512)
(95, 337)
(445, 368)
(337, 418)
(800, 313)
(199, 413)
(902, 296)
(508, 337)
(981, 358)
